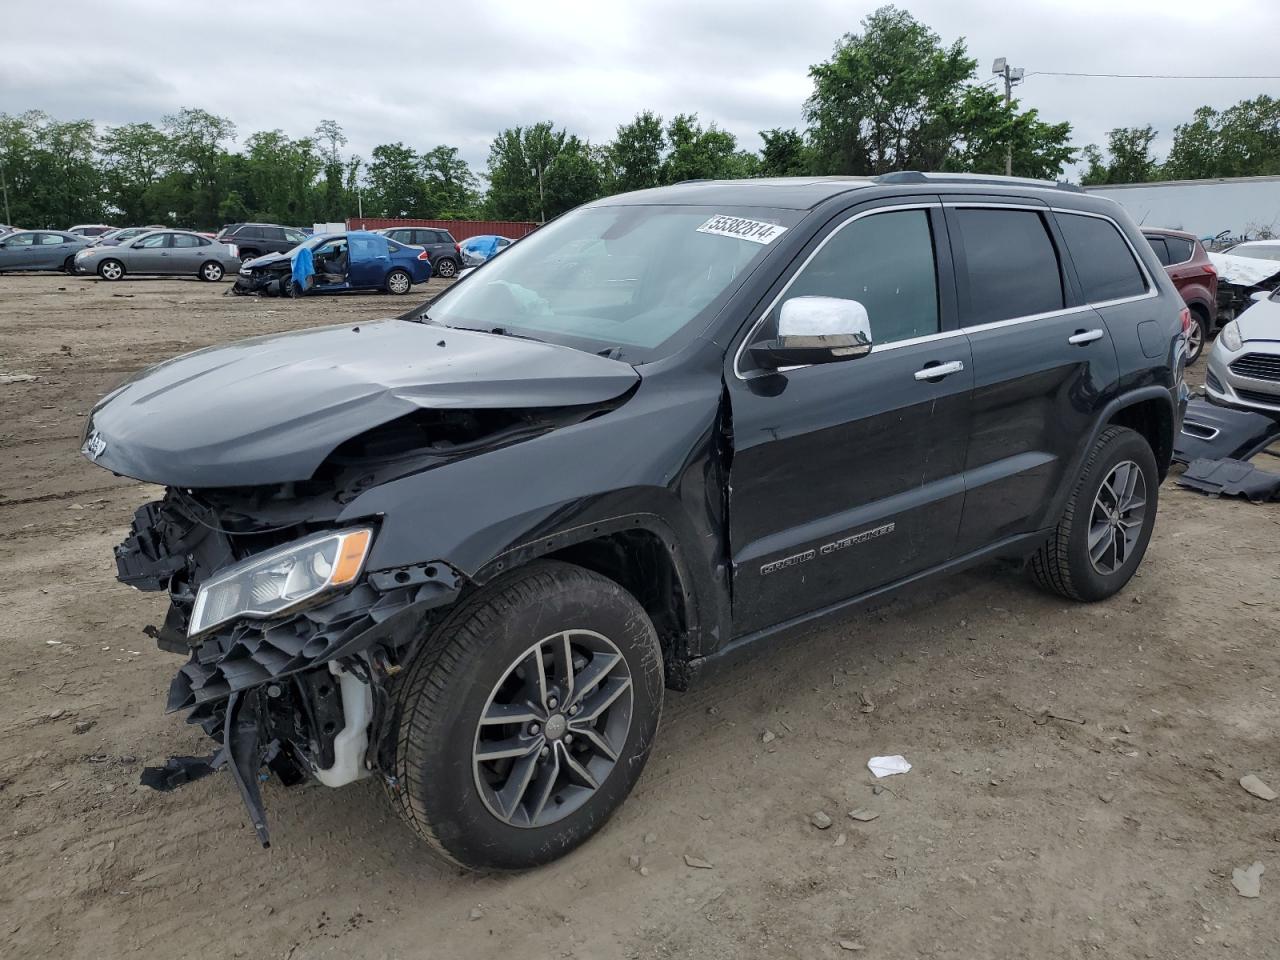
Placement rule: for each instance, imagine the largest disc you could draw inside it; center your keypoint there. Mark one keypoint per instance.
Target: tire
(399, 282)
(247, 255)
(446, 267)
(1065, 563)
(211, 271)
(1198, 336)
(111, 270)
(480, 661)
(69, 265)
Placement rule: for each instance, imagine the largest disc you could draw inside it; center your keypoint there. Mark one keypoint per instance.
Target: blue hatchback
(332, 262)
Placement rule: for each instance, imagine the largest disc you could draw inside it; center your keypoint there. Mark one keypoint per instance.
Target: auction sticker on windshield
(757, 231)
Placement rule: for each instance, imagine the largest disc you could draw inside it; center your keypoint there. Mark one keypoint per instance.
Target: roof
(1179, 183)
(804, 193)
(1169, 232)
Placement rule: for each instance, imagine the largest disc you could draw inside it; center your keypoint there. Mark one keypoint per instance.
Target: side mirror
(816, 330)
(1260, 295)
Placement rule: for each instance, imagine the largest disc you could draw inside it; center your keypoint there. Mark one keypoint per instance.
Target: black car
(255, 239)
(465, 550)
(445, 253)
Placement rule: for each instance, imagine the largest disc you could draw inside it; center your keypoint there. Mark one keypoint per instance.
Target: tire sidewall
(206, 267)
(449, 797)
(1124, 445)
(1199, 321)
(102, 270)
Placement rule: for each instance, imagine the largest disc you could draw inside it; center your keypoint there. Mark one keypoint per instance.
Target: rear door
(1043, 361)
(847, 476)
(187, 252)
(51, 250)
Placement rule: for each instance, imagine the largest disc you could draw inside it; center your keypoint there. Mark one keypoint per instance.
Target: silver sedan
(40, 250)
(1244, 365)
(161, 253)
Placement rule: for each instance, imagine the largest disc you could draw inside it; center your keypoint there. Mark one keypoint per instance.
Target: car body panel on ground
(731, 407)
(39, 249)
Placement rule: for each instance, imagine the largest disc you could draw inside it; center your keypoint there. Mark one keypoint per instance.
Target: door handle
(1081, 337)
(939, 370)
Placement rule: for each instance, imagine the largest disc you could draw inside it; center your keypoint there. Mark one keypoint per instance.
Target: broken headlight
(274, 582)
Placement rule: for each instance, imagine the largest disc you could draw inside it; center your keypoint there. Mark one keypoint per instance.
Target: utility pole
(4, 186)
(1011, 76)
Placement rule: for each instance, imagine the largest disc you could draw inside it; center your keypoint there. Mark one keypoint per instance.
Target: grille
(1257, 366)
(1213, 381)
(1255, 396)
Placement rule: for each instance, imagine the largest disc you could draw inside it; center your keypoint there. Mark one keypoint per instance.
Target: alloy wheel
(1115, 523)
(111, 270)
(553, 728)
(399, 283)
(446, 268)
(1195, 340)
(212, 272)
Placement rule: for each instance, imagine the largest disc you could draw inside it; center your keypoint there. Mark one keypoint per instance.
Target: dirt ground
(1108, 827)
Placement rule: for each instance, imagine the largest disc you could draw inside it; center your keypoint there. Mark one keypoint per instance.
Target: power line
(1149, 76)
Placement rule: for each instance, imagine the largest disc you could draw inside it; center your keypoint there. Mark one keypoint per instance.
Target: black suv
(255, 239)
(445, 253)
(465, 550)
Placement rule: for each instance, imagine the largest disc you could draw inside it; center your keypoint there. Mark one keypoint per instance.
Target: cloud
(428, 74)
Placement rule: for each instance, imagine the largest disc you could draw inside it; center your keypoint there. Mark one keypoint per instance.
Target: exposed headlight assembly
(275, 582)
(1230, 336)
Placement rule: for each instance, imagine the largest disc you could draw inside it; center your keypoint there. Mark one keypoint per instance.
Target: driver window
(886, 262)
(21, 240)
(156, 240)
(332, 249)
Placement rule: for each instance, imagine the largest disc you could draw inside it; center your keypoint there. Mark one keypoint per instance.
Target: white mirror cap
(823, 317)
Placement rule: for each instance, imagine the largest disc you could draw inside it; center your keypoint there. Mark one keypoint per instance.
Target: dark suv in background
(445, 253)
(465, 550)
(255, 239)
(1184, 259)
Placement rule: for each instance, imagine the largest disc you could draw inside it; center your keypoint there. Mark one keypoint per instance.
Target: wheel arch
(1153, 418)
(641, 553)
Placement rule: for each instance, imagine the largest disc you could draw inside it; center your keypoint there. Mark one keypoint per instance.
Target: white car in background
(1244, 365)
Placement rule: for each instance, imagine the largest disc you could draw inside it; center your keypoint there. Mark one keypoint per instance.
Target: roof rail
(917, 176)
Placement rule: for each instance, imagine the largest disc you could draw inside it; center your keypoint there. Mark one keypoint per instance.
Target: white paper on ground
(888, 766)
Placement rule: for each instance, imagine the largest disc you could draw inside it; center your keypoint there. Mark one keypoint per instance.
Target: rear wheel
(446, 267)
(211, 271)
(527, 717)
(1198, 335)
(111, 269)
(399, 282)
(1107, 523)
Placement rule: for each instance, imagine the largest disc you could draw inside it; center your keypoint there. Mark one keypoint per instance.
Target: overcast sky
(429, 73)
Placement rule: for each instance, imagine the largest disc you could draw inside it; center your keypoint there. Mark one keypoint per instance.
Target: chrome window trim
(1152, 290)
(737, 356)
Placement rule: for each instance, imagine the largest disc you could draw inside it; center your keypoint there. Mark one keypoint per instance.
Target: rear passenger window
(1180, 249)
(886, 262)
(1011, 265)
(1104, 262)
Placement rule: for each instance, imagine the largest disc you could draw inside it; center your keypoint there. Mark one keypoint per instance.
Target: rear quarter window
(1104, 262)
(1180, 249)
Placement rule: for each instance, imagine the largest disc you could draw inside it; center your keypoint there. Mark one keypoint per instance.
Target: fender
(1129, 399)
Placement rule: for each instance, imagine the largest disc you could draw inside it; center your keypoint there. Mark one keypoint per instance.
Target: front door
(21, 251)
(846, 476)
(150, 254)
(1042, 359)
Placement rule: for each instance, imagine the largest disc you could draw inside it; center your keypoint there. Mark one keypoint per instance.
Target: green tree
(198, 157)
(698, 154)
(1241, 141)
(785, 153)
(451, 187)
(884, 99)
(510, 187)
(395, 186)
(542, 145)
(135, 157)
(281, 177)
(335, 199)
(51, 170)
(1129, 158)
(573, 178)
(635, 156)
(986, 128)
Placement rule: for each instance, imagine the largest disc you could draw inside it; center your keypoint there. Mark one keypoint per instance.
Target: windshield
(638, 280)
(1259, 251)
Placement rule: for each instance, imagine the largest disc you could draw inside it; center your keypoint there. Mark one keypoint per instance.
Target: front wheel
(1107, 523)
(527, 717)
(211, 271)
(399, 282)
(69, 265)
(111, 269)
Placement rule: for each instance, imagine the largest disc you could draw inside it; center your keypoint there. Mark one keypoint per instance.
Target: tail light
(457, 248)
(1210, 269)
(424, 255)
(1185, 317)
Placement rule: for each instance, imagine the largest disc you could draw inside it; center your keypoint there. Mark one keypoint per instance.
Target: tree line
(891, 97)
(1240, 141)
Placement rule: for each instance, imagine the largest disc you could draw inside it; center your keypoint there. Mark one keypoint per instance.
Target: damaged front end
(303, 691)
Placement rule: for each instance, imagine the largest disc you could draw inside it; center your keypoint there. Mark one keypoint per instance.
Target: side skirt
(1016, 547)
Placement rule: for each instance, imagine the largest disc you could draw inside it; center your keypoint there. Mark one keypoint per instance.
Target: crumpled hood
(269, 410)
(266, 260)
(1260, 321)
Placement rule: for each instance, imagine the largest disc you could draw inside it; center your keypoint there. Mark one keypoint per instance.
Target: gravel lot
(1108, 827)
